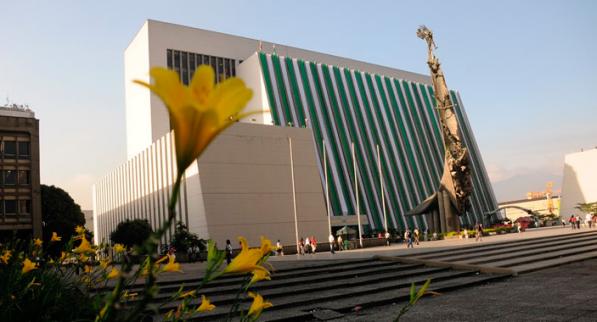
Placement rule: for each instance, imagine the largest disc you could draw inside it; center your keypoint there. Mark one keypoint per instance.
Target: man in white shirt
(331, 240)
(589, 220)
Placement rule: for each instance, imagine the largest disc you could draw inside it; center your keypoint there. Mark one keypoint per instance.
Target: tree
(589, 207)
(59, 213)
(131, 232)
(183, 239)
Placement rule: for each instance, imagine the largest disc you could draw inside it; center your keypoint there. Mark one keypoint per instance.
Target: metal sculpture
(444, 207)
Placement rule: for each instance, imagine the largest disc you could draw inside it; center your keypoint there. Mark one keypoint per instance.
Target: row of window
(185, 63)
(15, 149)
(13, 177)
(13, 207)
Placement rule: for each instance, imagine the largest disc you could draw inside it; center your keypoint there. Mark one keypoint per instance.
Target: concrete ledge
(430, 263)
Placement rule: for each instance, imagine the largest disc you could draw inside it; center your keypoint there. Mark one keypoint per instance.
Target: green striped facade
(344, 106)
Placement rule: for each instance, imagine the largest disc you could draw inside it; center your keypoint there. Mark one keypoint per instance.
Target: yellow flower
(88, 269)
(114, 273)
(187, 294)
(5, 256)
(28, 266)
(258, 305)
(80, 230)
(37, 242)
(83, 258)
(246, 261)
(119, 248)
(199, 112)
(84, 247)
(259, 275)
(104, 263)
(171, 266)
(205, 305)
(55, 237)
(266, 246)
(163, 259)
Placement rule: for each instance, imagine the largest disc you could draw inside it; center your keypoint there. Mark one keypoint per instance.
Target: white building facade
(242, 185)
(580, 181)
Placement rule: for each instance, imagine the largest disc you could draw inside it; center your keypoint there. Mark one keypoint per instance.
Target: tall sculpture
(444, 207)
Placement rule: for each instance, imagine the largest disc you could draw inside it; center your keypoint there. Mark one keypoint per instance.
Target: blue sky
(527, 71)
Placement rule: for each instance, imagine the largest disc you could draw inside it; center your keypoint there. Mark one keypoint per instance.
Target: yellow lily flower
(55, 237)
(259, 275)
(119, 248)
(205, 305)
(187, 294)
(258, 305)
(114, 273)
(84, 247)
(266, 246)
(5, 256)
(80, 230)
(246, 261)
(104, 263)
(88, 269)
(199, 112)
(28, 266)
(171, 266)
(37, 242)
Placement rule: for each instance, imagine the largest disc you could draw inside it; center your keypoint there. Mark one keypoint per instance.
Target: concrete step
(543, 256)
(488, 257)
(376, 269)
(290, 300)
(475, 248)
(356, 281)
(530, 267)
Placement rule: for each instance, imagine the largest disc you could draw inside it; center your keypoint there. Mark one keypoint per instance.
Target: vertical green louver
(344, 106)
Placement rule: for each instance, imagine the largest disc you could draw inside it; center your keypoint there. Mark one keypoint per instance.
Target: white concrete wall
(580, 181)
(137, 98)
(250, 72)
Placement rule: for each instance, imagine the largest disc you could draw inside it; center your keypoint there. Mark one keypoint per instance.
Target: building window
(9, 149)
(24, 150)
(24, 177)
(10, 177)
(24, 206)
(185, 64)
(10, 207)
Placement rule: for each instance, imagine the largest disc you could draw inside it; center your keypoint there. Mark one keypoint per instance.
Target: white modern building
(580, 181)
(244, 183)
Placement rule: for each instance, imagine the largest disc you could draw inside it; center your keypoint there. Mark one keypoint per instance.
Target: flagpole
(356, 193)
(383, 200)
(294, 197)
(327, 188)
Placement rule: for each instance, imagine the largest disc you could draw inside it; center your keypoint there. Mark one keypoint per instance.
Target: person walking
(589, 220)
(313, 245)
(228, 251)
(331, 239)
(578, 222)
(279, 248)
(465, 233)
(302, 247)
(307, 245)
(387, 236)
(409, 239)
(572, 222)
(416, 235)
(479, 232)
(340, 245)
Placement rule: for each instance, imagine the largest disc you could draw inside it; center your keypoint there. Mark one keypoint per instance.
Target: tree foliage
(59, 213)
(183, 239)
(589, 207)
(131, 232)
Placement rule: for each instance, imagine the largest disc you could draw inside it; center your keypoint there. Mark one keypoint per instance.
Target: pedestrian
(578, 222)
(416, 235)
(228, 251)
(302, 247)
(331, 239)
(563, 222)
(387, 235)
(479, 232)
(518, 228)
(279, 248)
(465, 233)
(313, 244)
(572, 222)
(340, 245)
(307, 245)
(589, 220)
(409, 239)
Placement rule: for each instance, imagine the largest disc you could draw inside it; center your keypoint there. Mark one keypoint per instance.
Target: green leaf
(413, 291)
(421, 291)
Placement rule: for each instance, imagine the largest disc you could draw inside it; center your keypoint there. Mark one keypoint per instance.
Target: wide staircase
(326, 290)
